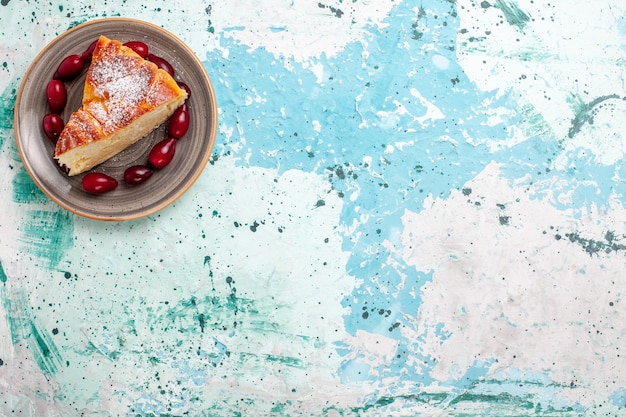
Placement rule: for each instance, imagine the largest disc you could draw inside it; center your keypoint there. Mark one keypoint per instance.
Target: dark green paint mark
(207, 263)
(432, 399)
(48, 235)
(45, 351)
(15, 316)
(3, 275)
(594, 247)
(585, 112)
(7, 103)
(201, 321)
(533, 122)
(501, 398)
(87, 18)
(77, 22)
(286, 360)
(478, 397)
(337, 12)
(512, 13)
(24, 328)
(24, 189)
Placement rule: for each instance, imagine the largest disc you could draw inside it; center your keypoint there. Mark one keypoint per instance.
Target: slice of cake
(125, 98)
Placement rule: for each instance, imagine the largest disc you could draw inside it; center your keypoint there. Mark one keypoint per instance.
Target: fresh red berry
(86, 56)
(137, 174)
(56, 95)
(185, 87)
(52, 126)
(98, 183)
(162, 153)
(69, 68)
(162, 63)
(179, 122)
(139, 47)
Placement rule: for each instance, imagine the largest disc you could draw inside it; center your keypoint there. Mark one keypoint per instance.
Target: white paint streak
(317, 126)
(375, 350)
(514, 293)
(567, 53)
(299, 29)
(432, 111)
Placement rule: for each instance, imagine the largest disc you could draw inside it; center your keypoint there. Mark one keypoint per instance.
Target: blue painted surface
(386, 227)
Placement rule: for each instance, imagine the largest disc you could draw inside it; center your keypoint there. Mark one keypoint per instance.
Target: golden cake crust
(125, 97)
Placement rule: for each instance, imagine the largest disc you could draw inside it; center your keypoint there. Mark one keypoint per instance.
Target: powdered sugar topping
(123, 82)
